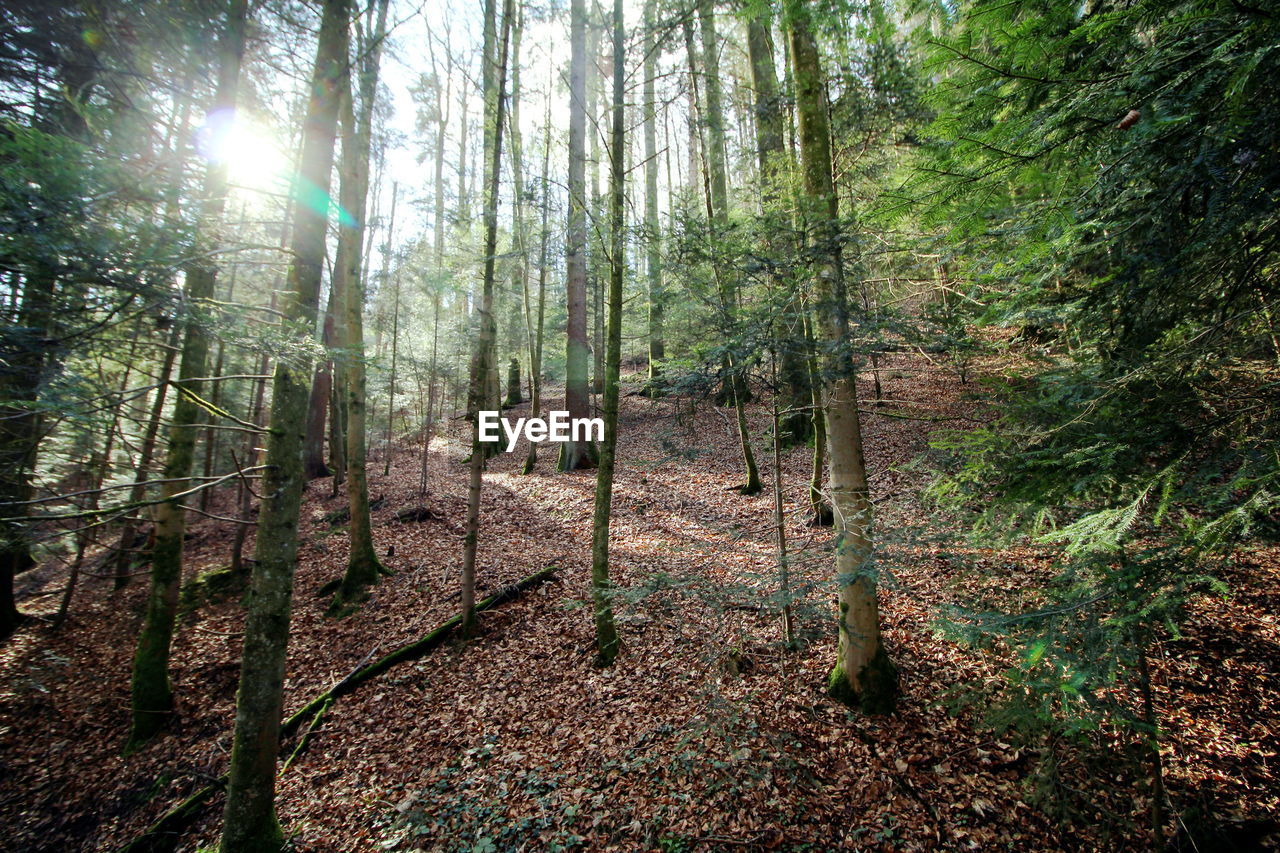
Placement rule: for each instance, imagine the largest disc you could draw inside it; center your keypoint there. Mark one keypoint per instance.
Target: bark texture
(862, 675)
(576, 454)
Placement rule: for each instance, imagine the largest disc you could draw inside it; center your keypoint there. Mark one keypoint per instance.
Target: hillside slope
(705, 735)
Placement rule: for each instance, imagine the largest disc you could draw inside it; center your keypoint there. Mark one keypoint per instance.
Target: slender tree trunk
(363, 567)
(771, 156)
(395, 323)
(146, 453)
(215, 397)
(653, 231)
(536, 328)
(391, 387)
(577, 454)
(428, 422)
(495, 81)
(519, 237)
(601, 589)
(780, 524)
(250, 451)
(249, 818)
(151, 701)
(443, 105)
(595, 219)
(464, 203)
(1152, 738)
(101, 469)
(318, 402)
(718, 205)
(862, 676)
(694, 129)
(819, 505)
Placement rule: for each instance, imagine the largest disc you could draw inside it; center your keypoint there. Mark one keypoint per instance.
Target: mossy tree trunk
(363, 567)
(601, 587)
(862, 676)
(151, 694)
(482, 362)
(249, 818)
(577, 454)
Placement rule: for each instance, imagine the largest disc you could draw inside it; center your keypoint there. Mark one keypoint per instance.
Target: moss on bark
(878, 683)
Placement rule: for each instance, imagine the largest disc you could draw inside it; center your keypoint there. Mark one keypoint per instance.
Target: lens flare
(250, 154)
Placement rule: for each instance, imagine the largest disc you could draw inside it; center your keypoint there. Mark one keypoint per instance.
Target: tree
(249, 819)
(601, 593)
(772, 159)
(862, 676)
(1131, 184)
(363, 566)
(536, 327)
(576, 454)
(653, 262)
(718, 206)
(151, 693)
(484, 368)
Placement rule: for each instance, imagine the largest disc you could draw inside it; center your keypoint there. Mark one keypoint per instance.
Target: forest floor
(706, 734)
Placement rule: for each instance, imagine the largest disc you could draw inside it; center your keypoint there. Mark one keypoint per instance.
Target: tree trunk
(653, 265)
(577, 454)
(718, 205)
(601, 588)
(363, 567)
(151, 701)
(536, 330)
(250, 460)
(495, 81)
(514, 394)
(818, 503)
(318, 402)
(862, 676)
(125, 550)
(391, 386)
(780, 527)
(215, 397)
(249, 819)
(595, 235)
(771, 154)
(428, 422)
(101, 469)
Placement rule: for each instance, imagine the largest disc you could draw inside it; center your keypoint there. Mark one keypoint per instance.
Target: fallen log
(163, 835)
(412, 651)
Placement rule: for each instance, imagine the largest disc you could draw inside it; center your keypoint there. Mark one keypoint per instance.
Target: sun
(253, 157)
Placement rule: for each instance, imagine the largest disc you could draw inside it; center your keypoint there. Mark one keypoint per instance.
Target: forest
(661, 425)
